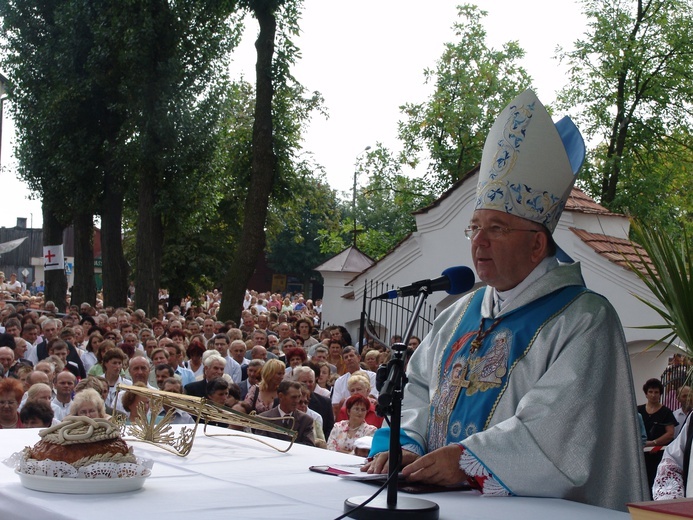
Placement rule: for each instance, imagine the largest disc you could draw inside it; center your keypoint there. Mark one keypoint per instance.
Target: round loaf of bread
(80, 441)
(111, 450)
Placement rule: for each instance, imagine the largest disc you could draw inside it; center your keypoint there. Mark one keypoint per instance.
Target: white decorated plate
(81, 486)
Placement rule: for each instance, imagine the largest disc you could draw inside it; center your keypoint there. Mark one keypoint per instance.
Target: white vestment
(565, 423)
(669, 482)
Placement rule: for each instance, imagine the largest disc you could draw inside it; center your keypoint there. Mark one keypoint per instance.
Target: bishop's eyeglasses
(493, 232)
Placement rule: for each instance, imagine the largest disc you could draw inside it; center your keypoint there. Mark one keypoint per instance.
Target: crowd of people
(275, 362)
(522, 387)
(665, 433)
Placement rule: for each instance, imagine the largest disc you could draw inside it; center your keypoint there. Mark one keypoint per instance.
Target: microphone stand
(390, 402)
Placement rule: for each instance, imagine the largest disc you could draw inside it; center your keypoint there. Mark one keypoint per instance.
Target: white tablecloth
(238, 478)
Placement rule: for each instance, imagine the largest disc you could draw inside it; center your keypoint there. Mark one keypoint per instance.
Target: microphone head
(389, 295)
(461, 279)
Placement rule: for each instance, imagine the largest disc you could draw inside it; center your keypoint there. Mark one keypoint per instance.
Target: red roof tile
(580, 202)
(616, 250)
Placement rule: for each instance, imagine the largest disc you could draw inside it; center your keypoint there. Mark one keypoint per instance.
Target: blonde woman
(360, 384)
(88, 402)
(261, 397)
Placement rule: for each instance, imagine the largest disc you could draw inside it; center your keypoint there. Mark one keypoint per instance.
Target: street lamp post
(353, 203)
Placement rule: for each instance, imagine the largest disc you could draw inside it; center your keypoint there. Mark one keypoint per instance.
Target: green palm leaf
(667, 273)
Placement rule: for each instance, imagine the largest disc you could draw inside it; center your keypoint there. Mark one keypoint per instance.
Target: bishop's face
(504, 261)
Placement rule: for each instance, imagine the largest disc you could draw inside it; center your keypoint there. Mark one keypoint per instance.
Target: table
(236, 477)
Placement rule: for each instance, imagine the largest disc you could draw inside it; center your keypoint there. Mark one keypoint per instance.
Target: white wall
(440, 243)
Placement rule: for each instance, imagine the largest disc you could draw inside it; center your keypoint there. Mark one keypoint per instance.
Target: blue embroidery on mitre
(494, 193)
(502, 194)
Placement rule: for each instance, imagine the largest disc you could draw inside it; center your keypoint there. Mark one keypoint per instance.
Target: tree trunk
(56, 281)
(264, 165)
(84, 289)
(115, 268)
(149, 245)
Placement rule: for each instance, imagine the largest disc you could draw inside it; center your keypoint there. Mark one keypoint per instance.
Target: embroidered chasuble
(476, 366)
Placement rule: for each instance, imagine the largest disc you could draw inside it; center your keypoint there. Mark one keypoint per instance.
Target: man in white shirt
(14, 285)
(340, 391)
(138, 368)
(64, 386)
(221, 344)
(237, 351)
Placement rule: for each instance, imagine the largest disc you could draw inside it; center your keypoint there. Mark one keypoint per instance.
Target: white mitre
(529, 165)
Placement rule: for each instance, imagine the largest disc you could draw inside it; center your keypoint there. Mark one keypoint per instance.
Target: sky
(367, 57)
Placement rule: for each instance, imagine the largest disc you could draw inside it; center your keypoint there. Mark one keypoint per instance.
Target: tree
(293, 245)
(472, 84)
(122, 95)
(384, 208)
(47, 48)
(174, 54)
(270, 74)
(630, 84)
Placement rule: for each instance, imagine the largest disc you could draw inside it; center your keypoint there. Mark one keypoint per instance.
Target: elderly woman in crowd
(344, 433)
(11, 392)
(88, 403)
(260, 397)
(40, 392)
(296, 356)
(359, 383)
(372, 360)
(218, 391)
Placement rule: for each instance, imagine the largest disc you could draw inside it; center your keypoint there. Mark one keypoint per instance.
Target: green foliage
(59, 96)
(118, 99)
(630, 87)
(293, 231)
(473, 82)
(383, 209)
(670, 280)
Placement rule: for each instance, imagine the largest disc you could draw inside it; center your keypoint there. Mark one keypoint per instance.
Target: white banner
(53, 258)
(6, 247)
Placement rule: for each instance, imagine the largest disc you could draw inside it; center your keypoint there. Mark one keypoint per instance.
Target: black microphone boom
(454, 280)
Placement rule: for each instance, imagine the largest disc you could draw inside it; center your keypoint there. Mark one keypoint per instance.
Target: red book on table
(677, 509)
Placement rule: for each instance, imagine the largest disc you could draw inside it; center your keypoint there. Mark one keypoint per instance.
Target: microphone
(454, 280)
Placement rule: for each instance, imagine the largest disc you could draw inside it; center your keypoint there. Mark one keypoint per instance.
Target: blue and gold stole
(470, 382)
(474, 374)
